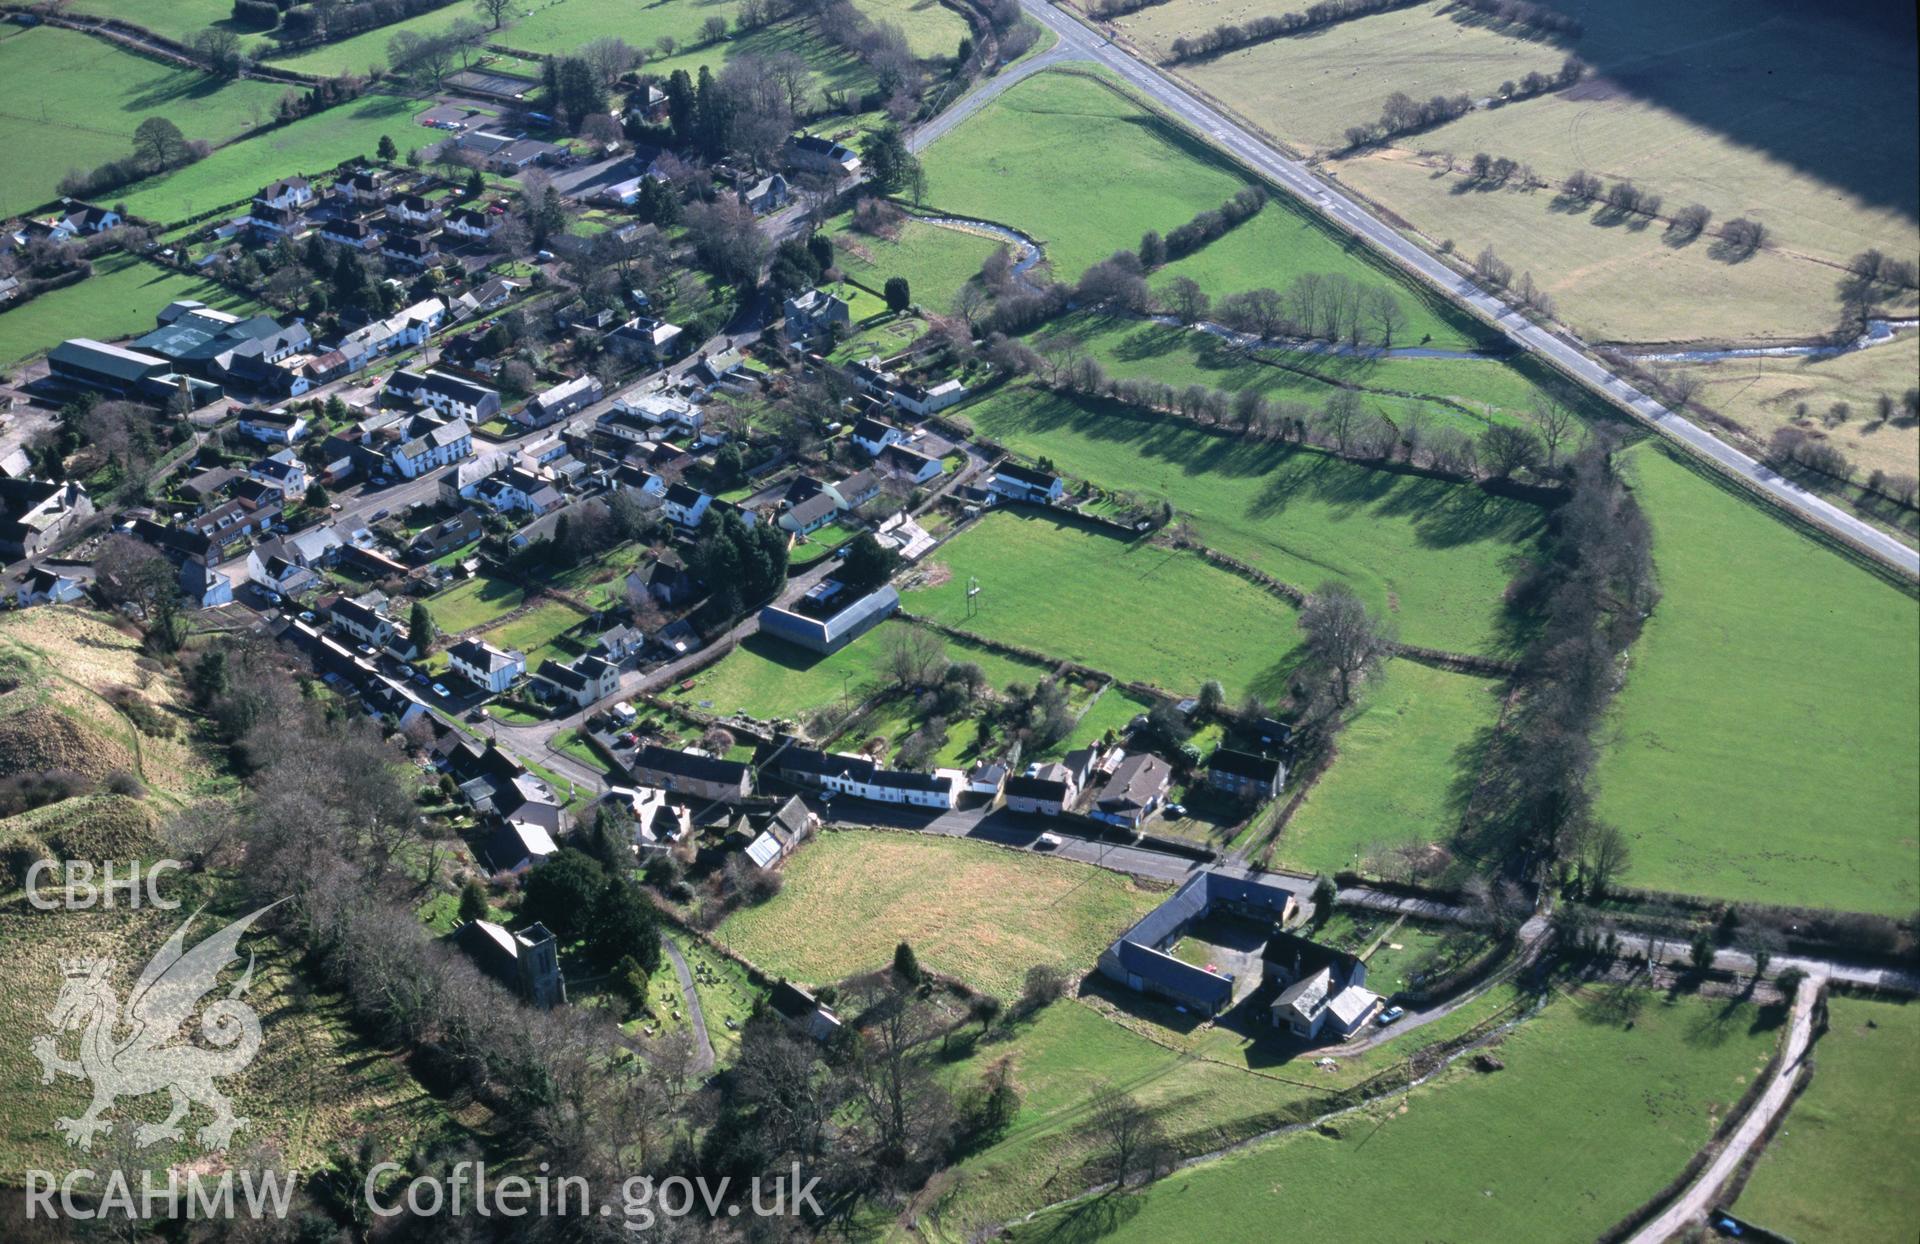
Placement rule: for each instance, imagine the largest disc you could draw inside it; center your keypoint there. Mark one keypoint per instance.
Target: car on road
(1391, 1015)
(306, 615)
(440, 690)
(479, 713)
(1048, 842)
(382, 513)
(420, 678)
(334, 506)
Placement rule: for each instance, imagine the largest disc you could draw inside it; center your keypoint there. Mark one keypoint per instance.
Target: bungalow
(230, 522)
(44, 585)
(582, 683)
(654, 410)
(686, 505)
(1017, 483)
(874, 435)
(273, 427)
(815, 312)
(445, 537)
(485, 666)
(1134, 792)
(492, 293)
(825, 635)
(685, 773)
(1245, 775)
(810, 515)
(857, 489)
(923, 400)
(77, 219)
(909, 464)
(821, 155)
(560, 401)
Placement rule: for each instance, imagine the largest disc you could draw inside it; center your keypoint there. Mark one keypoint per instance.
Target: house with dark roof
(273, 427)
(447, 536)
(874, 435)
(812, 154)
(485, 666)
(802, 1012)
(837, 773)
(1245, 775)
(810, 515)
(561, 400)
(1320, 988)
(694, 776)
(46, 585)
(450, 395)
(1018, 483)
(814, 312)
(580, 683)
(832, 633)
(1134, 792)
(686, 505)
(35, 514)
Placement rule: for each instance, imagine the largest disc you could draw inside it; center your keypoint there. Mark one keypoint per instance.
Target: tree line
(1530, 15)
(1403, 114)
(1228, 36)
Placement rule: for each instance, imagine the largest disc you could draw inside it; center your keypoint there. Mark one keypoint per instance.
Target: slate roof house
(682, 773)
(863, 778)
(486, 666)
(1134, 792)
(1245, 775)
(1321, 987)
(1018, 483)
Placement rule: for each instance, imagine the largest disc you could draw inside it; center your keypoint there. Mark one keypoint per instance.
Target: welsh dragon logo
(142, 1048)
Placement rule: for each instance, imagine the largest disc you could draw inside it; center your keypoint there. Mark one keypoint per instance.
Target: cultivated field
(119, 300)
(312, 146)
(1814, 1182)
(1401, 773)
(1684, 100)
(1130, 609)
(1764, 394)
(1434, 557)
(1762, 748)
(1076, 165)
(936, 261)
(978, 912)
(1476, 1155)
(73, 102)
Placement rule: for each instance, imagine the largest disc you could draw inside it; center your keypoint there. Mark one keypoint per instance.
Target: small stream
(1879, 332)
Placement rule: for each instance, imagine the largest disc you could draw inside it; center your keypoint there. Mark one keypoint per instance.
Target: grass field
(1477, 1156)
(310, 146)
(1813, 1182)
(536, 631)
(1111, 712)
(1398, 774)
(1761, 394)
(1434, 557)
(1132, 610)
(476, 602)
(1077, 166)
(1763, 745)
(978, 912)
(73, 102)
(769, 679)
(1683, 100)
(119, 300)
(1283, 243)
(936, 261)
(176, 19)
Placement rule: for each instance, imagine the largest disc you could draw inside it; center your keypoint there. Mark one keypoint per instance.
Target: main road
(1078, 42)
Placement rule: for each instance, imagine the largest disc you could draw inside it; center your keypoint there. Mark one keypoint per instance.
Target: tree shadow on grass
(175, 88)
(1088, 1221)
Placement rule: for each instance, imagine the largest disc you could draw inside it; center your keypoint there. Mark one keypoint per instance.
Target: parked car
(441, 690)
(1390, 1015)
(420, 678)
(381, 513)
(306, 615)
(1176, 809)
(1048, 842)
